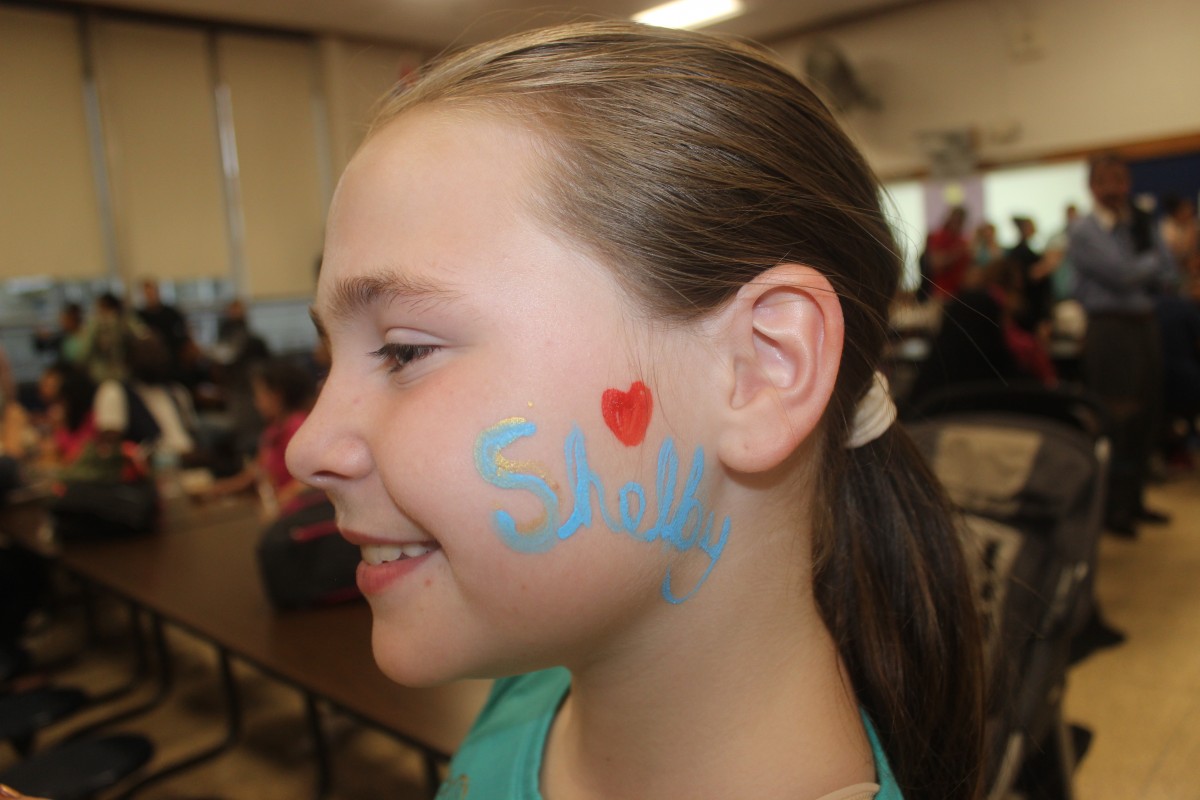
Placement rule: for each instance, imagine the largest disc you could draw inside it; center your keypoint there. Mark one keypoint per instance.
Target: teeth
(375, 554)
(414, 550)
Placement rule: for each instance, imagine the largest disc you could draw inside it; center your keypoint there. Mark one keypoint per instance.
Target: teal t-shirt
(502, 755)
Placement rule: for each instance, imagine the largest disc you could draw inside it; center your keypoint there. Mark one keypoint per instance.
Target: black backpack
(303, 560)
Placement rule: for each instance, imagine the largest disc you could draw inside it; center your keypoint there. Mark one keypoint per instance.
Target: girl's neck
(731, 696)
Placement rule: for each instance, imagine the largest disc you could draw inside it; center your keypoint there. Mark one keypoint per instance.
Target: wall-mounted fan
(830, 73)
(950, 153)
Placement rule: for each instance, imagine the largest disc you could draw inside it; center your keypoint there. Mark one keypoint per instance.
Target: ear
(784, 332)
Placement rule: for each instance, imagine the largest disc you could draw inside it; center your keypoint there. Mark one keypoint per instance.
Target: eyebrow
(352, 296)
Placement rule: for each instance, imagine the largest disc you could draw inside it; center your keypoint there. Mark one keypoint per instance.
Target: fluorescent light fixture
(689, 13)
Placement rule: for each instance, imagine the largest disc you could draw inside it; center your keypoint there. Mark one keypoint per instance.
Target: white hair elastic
(874, 414)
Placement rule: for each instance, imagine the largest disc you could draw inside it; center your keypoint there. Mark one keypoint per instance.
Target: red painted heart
(627, 414)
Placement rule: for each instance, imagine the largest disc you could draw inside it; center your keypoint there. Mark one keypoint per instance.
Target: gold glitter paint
(509, 465)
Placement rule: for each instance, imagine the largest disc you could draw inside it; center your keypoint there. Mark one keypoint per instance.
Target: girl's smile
(385, 561)
(381, 566)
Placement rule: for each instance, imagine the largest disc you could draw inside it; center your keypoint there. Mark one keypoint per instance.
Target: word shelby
(683, 525)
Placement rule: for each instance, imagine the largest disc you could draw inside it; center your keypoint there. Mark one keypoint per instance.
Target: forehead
(424, 164)
(440, 203)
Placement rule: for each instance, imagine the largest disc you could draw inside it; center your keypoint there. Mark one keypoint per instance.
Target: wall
(1028, 78)
(355, 75)
(137, 147)
(49, 207)
(200, 155)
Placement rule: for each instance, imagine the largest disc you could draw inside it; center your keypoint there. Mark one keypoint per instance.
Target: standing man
(164, 320)
(1120, 266)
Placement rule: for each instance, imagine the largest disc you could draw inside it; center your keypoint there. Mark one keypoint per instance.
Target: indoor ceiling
(435, 24)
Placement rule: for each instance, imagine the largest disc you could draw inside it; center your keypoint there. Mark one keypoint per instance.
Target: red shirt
(70, 443)
(272, 447)
(948, 281)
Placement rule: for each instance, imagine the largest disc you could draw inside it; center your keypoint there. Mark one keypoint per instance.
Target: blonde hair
(690, 164)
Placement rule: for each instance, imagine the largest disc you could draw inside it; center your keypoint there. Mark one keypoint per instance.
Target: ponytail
(893, 588)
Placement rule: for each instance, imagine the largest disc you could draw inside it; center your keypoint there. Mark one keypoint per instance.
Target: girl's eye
(398, 356)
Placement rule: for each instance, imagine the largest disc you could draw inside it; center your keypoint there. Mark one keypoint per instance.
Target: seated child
(283, 394)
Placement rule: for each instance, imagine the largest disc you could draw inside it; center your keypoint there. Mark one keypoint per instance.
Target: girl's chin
(412, 676)
(420, 661)
(418, 667)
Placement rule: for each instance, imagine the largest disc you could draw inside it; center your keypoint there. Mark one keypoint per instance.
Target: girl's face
(474, 354)
(267, 401)
(50, 387)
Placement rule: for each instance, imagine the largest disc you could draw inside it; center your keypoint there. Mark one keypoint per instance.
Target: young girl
(283, 394)
(605, 305)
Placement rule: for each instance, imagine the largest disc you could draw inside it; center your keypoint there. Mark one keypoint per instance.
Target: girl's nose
(329, 449)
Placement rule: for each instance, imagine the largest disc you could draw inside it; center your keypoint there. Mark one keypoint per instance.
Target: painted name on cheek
(680, 522)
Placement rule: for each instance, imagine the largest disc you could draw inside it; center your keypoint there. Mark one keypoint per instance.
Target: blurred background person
(238, 348)
(1179, 325)
(66, 343)
(985, 250)
(1180, 232)
(150, 378)
(1120, 268)
(979, 342)
(106, 338)
(164, 320)
(947, 257)
(87, 419)
(17, 435)
(1063, 279)
(283, 393)
(1037, 270)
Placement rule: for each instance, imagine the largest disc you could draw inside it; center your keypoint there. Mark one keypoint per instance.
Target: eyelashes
(399, 356)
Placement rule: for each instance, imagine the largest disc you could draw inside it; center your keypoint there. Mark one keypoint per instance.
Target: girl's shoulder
(502, 755)
(888, 788)
(519, 695)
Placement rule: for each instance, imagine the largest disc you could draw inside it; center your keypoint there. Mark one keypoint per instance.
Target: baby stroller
(1026, 467)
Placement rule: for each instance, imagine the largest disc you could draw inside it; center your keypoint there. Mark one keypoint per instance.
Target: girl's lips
(375, 579)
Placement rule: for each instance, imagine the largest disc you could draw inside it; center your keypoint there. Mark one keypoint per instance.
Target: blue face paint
(499, 471)
(628, 518)
(684, 526)
(581, 477)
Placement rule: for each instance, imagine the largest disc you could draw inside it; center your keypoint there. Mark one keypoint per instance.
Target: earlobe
(785, 332)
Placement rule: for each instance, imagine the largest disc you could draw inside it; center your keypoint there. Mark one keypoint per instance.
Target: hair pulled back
(690, 164)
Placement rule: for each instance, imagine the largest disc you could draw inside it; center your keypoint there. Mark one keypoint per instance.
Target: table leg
(320, 747)
(233, 731)
(165, 678)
